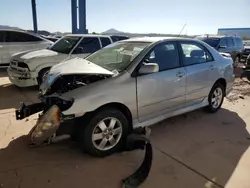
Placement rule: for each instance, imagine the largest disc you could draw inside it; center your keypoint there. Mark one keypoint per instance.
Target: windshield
(211, 41)
(117, 56)
(65, 44)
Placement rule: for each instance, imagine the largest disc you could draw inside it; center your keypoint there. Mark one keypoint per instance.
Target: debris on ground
(241, 89)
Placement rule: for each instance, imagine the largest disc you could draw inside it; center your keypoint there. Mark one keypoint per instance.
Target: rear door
(164, 91)
(199, 67)
(86, 46)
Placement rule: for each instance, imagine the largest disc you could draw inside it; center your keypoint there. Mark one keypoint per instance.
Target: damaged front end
(52, 103)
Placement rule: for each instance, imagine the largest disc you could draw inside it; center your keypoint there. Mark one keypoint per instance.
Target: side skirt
(160, 118)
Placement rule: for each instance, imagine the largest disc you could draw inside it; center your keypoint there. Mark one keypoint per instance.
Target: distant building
(243, 32)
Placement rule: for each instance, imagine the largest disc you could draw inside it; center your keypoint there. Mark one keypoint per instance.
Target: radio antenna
(182, 29)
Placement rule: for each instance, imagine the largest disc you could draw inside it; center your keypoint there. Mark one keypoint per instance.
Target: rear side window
(223, 42)
(87, 45)
(2, 36)
(118, 38)
(230, 42)
(195, 54)
(105, 41)
(13, 36)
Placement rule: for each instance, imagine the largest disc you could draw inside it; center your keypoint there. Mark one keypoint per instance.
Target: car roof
(23, 31)
(86, 35)
(156, 39)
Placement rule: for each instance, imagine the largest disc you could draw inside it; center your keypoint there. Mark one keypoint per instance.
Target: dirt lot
(192, 151)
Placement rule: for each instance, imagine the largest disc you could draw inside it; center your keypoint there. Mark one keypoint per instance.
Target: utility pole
(33, 4)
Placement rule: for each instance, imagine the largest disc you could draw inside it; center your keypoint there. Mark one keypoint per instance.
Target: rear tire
(216, 98)
(105, 133)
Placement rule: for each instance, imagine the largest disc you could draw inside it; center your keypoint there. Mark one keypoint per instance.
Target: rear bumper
(21, 78)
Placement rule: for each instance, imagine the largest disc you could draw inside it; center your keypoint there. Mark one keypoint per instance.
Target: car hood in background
(78, 66)
(31, 54)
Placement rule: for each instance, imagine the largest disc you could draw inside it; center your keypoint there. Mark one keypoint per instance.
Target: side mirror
(148, 68)
(222, 47)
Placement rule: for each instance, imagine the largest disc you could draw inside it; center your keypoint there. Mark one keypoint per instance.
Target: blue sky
(141, 16)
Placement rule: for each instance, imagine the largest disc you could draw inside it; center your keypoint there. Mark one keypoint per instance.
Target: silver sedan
(132, 83)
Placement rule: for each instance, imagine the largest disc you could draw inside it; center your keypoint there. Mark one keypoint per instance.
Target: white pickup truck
(29, 67)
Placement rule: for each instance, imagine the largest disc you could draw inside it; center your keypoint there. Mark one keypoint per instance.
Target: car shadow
(209, 144)
(3, 72)
(11, 96)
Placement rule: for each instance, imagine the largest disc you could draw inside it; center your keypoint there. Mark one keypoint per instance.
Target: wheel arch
(221, 81)
(116, 105)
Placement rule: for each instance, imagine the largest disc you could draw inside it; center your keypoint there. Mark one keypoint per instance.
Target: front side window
(195, 54)
(65, 44)
(87, 45)
(117, 56)
(105, 41)
(165, 55)
(239, 43)
(13, 36)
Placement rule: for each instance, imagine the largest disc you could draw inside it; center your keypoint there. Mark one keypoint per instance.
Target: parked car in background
(246, 51)
(131, 83)
(13, 41)
(28, 68)
(248, 60)
(226, 44)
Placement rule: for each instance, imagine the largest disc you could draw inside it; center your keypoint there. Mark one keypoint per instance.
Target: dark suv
(227, 44)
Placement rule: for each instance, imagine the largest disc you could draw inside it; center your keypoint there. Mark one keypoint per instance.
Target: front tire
(216, 98)
(105, 133)
(41, 75)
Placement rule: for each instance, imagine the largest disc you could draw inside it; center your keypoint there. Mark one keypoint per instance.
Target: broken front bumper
(48, 122)
(28, 110)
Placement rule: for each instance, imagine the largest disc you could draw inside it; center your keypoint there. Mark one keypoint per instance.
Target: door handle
(211, 67)
(180, 74)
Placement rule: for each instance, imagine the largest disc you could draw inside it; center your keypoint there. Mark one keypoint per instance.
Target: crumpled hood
(78, 66)
(31, 54)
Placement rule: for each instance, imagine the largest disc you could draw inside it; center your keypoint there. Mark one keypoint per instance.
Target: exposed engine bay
(65, 83)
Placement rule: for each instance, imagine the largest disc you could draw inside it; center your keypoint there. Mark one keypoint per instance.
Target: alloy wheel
(107, 133)
(217, 97)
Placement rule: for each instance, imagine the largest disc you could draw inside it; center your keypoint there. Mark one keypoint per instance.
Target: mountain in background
(9, 27)
(112, 31)
(116, 32)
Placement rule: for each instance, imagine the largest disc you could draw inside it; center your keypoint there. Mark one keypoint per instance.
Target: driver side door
(164, 91)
